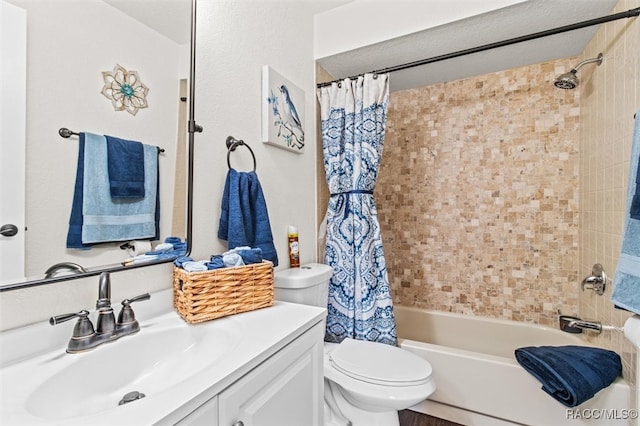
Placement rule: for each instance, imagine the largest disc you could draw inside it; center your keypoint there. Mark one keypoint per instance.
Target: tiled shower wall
(610, 95)
(478, 195)
(497, 194)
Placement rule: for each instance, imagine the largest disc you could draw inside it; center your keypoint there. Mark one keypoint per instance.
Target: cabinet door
(205, 415)
(285, 390)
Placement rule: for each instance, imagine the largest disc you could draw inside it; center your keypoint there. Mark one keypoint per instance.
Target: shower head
(570, 80)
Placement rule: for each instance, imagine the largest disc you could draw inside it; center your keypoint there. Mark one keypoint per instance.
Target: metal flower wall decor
(125, 90)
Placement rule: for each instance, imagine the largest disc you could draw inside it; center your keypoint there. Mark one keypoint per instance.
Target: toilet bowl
(366, 383)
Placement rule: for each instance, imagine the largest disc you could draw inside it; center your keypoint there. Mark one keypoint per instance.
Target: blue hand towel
(626, 282)
(570, 374)
(125, 161)
(106, 219)
(74, 234)
(244, 219)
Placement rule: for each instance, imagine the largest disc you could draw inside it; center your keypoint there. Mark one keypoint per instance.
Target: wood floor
(412, 418)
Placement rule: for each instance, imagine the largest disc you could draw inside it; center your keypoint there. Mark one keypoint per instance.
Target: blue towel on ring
(626, 282)
(244, 219)
(570, 374)
(125, 162)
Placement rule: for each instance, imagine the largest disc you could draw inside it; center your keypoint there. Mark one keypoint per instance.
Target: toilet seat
(380, 364)
(373, 391)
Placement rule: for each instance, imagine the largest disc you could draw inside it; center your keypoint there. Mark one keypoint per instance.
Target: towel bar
(66, 133)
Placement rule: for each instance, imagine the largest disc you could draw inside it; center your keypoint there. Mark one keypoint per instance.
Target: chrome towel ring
(232, 144)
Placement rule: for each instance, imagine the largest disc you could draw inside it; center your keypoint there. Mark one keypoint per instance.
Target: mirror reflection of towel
(125, 162)
(244, 219)
(95, 216)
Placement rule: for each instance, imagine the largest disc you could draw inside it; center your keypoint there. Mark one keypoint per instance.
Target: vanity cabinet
(285, 389)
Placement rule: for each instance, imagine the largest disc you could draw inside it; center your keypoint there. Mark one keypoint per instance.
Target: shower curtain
(354, 114)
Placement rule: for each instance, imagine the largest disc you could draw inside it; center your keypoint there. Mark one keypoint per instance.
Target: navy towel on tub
(570, 374)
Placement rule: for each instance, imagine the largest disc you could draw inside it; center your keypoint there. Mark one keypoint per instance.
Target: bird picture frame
(282, 112)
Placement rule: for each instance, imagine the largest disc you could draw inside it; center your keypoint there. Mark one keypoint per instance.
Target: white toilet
(366, 383)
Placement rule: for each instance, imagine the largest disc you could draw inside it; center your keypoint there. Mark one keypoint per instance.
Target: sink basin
(179, 367)
(165, 352)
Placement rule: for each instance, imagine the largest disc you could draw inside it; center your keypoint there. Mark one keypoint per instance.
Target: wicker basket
(207, 295)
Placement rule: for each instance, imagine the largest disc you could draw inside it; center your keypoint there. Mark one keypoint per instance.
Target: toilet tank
(308, 284)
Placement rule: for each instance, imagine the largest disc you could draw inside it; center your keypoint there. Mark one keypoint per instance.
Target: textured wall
(478, 195)
(610, 95)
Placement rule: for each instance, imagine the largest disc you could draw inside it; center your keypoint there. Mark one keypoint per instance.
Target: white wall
(234, 40)
(337, 31)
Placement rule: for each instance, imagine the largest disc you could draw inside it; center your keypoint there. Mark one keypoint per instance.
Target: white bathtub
(479, 382)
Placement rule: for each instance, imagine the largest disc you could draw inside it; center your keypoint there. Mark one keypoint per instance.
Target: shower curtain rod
(622, 15)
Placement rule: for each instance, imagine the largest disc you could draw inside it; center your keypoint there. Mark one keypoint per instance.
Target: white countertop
(262, 333)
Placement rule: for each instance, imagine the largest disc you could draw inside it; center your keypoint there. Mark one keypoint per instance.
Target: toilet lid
(378, 363)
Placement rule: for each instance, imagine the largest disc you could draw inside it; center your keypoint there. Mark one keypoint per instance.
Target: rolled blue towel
(164, 247)
(236, 250)
(216, 262)
(173, 240)
(250, 256)
(570, 374)
(161, 249)
(232, 259)
(181, 260)
(177, 243)
(195, 266)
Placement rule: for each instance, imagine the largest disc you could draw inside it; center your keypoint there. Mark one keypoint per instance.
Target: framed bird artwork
(282, 112)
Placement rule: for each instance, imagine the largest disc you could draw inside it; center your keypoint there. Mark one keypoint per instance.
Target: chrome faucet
(85, 337)
(576, 325)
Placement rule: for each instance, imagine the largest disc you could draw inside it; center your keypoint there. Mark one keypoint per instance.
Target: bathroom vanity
(256, 368)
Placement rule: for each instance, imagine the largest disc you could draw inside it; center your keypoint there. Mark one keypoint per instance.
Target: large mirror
(71, 48)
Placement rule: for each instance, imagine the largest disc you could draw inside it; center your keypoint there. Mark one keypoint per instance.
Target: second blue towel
(570, 374)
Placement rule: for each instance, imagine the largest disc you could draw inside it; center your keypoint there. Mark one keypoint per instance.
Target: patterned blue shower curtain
(354, 114)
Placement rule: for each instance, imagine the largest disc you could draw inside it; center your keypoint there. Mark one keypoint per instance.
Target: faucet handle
(597, 281)
(82, 329)
(83, 337)
(139, 298)
(127, 318)
(66, 317)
